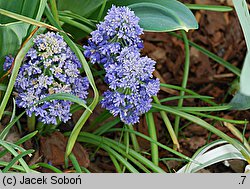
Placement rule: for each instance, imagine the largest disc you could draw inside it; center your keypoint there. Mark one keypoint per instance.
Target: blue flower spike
(116, 44)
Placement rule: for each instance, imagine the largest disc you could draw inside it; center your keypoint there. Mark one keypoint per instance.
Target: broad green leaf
(11, 37)
(17, 64)
(81, 7)
(13, 32)
(244, 18)
(24, 7)
(161, 15)
(157, 18)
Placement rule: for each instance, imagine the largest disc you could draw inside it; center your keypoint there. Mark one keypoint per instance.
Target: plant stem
(54, 10)
(184, 80)
(101, 11)
(75, 163)
(134, 139)
(168, 125)
(126, 143)
(31, 122)
(152, 134)
(76, 24)
(116, 164)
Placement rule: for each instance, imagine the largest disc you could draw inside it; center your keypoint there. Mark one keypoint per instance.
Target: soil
(220, 33)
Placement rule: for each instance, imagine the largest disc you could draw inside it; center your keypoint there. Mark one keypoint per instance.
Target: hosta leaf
(161, 15)
(157, 16)
(81, 7)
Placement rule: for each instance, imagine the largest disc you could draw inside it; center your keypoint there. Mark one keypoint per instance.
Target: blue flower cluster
(49, 67)
(119, 28)
(116, 44)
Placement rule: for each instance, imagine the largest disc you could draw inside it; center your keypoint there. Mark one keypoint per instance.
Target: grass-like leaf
(217, 8)
(211, 55)
(152, 134)
(27, 19)
(207, 126)
(15, 159)
(65, 96)
(15, 154)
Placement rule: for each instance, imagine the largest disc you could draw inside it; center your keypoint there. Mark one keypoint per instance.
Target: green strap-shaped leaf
(65, 96)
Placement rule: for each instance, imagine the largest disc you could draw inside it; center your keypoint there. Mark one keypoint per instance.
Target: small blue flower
(119, 29)
(129, 70)
(8, 62)
(49, 67)
(116, 44)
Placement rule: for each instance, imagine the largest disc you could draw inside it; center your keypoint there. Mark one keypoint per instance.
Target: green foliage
(13, 32)
(65, 96)
(161, 15)
(80, 7)
(241, 100)
(158, 18)
(208, 157)
(79, 18)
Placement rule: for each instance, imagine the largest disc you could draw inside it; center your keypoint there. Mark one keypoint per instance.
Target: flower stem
(31, 122)
(134, 139)
(184, 81)
(54, 10)
(102, 10)
(153, 136)
(126, 143)
(168, 125)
